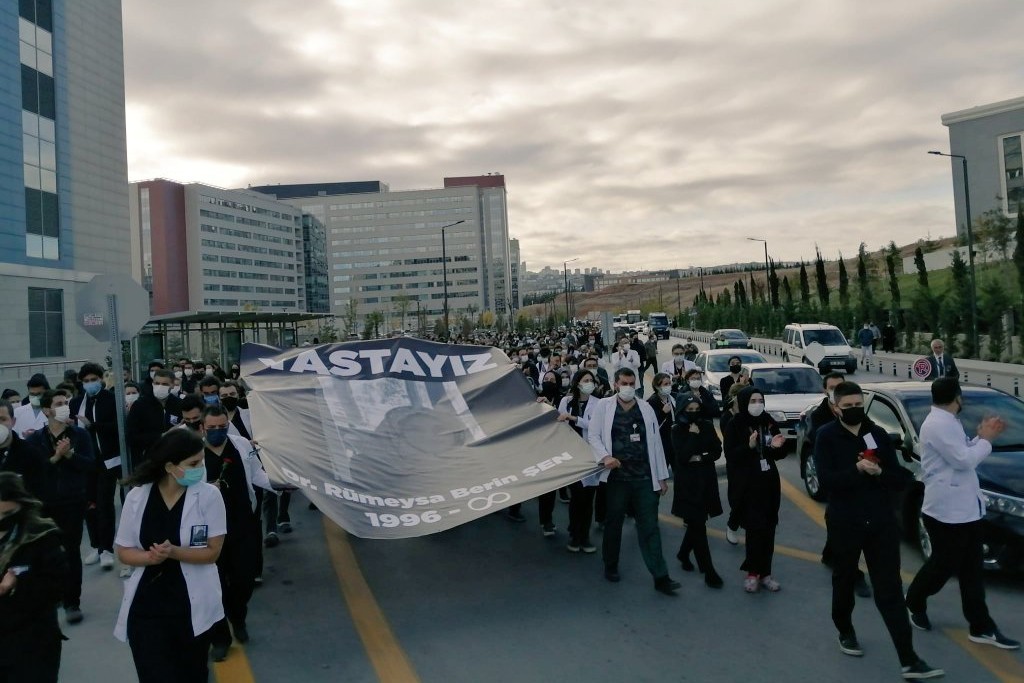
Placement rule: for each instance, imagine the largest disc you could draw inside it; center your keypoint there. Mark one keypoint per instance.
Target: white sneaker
(126, 571)
(107, 559)
(92, 558)
(731, 536)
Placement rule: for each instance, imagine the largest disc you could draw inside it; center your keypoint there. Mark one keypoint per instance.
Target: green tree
(327, 332)
(402, 303)
(959, 300)
(773, 285)
(995, 232)
(867, 302)
(371, 325)
(995, 302)
(891, 255)
(787, 291)
(820, 279)
(844, 283)
(922, 269)
(1018, 251)
(805, 285)
(350, 320)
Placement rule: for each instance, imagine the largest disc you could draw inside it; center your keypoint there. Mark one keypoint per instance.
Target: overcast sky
(631, 135)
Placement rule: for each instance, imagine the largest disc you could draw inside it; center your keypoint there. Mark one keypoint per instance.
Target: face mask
(230, 403)
(160, 392)
(565, 382)
(217, 437)
(92, 388)
(665, 389)
(678, 360)
(735, 369)
(129, 399)
(627, 393)
(194, 426)
(34, 401)
(62, 413)
(692, 415)
(211, 399)
(209, 372)
(586, 388)
(192, 476)
(178, 374)
(523, 359)
(5, 432)
(188, 372)
(832, 396)
(755, 409)
(853, 415)
(234, 371)
(694, 383)
(152, 374)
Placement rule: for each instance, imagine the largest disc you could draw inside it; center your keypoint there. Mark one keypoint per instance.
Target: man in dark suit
(96, 412)
(151, 416)
(943, 364)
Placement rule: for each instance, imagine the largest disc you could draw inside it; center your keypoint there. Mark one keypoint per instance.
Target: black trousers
(760, 551)
(275, 510)
(880, 543)
(70, 517)
(37, 661)
(237, 565)
(165, 651)
(696, 539)
(581, 511)
(601, 503)
(730, 495)
(956, 551)
(101, 533)
(546, 507)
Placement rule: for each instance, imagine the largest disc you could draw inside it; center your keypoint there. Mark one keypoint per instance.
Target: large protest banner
(405, 437)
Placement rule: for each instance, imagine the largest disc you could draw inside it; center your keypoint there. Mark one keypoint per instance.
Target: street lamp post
(767, 281)
(970, 249)
(444, 271)
(565, 271)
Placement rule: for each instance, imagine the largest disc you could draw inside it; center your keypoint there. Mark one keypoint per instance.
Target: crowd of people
(198, 509)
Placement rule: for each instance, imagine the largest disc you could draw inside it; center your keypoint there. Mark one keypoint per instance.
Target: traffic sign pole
(117, 359)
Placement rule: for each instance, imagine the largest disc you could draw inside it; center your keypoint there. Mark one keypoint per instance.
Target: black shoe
(515, 516)
(73, 614)
(994, 638)
(920, 670)
(684, 560)
(611, 572)
(548, 530)
(241, 634)
(920, 620)
(285, 527)
(862, 588)
(849, 646)
(712, 579)
(563, 496)
(271, 541)
(664, 584)
(219, 652)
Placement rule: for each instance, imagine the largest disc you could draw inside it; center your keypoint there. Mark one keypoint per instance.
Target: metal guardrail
(20, 372)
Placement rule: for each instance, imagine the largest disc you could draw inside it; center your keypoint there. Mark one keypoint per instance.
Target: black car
(900, 408)
(729, 339)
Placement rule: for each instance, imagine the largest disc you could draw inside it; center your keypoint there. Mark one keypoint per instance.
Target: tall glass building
(63, 175)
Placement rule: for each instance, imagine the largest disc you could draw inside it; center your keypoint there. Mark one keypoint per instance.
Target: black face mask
(230, 403)
(735, 369)
(852, 416)
(194, 426)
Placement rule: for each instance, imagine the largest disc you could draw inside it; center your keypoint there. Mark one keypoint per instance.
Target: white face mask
(62, 413)
(5, 433)
(586, 388)
(131, 398)
(694, 383)
(665, 390)
(160, 392)
(627, 393)
(188, 372)
(832, 396)
(34, 401)
(177, 374)
(755, 409)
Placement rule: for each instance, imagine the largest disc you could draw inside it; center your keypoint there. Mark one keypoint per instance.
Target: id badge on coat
(199, 536)
(764, 465)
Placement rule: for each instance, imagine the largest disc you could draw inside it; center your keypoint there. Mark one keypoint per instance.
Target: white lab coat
(599, 435)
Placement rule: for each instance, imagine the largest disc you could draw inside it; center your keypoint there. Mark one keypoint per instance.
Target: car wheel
(924, 539)
(811, 482)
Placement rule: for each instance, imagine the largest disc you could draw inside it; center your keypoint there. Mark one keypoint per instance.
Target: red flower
(869, 455)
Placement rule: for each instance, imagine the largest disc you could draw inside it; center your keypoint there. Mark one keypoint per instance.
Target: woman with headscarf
(550, 388)
(752, 445)
(574, 409)
(33, 568)
(664, 405)
(696, 447)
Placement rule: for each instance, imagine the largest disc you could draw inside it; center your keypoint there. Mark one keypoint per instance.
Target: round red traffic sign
(922, 368)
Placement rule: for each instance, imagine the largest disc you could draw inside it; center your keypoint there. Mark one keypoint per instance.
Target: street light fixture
(444, 271)
(970, 249)
(565, 271)
(767, 277)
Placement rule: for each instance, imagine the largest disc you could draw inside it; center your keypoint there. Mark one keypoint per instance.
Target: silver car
(714, 363)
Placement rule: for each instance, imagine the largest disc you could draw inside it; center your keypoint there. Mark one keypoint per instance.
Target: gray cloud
(651, 136)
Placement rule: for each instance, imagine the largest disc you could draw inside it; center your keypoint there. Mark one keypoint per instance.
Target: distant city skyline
(631, 138)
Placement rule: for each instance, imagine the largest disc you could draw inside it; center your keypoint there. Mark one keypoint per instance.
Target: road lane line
(234, 669)
(386, 655)
(1003, 664)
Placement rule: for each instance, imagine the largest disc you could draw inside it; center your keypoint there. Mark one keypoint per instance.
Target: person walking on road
(172, 530)
(952, 511)
(943, 364)
(859, 468)
(624, 437)
(866, 339)
(576, 409)
(753, 443)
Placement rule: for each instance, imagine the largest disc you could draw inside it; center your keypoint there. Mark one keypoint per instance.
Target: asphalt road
(496, 601)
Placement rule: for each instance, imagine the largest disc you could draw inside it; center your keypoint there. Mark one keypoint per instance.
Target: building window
(1013, 172)
(45, 322)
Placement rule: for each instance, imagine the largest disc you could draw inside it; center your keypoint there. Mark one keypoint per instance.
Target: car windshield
(825, 337)
(786, 381)
(731, 334)
(720, 362)
(976, 407)
(658, 320)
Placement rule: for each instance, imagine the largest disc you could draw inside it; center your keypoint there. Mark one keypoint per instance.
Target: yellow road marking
(234, 669)
(386, 655)
(1002, 663)
(810, 507)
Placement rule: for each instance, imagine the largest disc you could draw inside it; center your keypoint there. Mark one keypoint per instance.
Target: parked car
(900, 408)
(788, 388)
(729, 339)
(835, 350)
(714, 363)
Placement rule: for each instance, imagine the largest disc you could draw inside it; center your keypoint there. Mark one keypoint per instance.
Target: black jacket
(949, 365)
(147, 421)
(695, 493)
(708, 405)
(28, 616)
(852, 495)
(757, 489)
(665, 421)
(820, 416)
(101, 411)
(22, 457)
(67, 479)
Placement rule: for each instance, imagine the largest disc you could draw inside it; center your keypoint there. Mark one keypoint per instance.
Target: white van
(837, 352)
